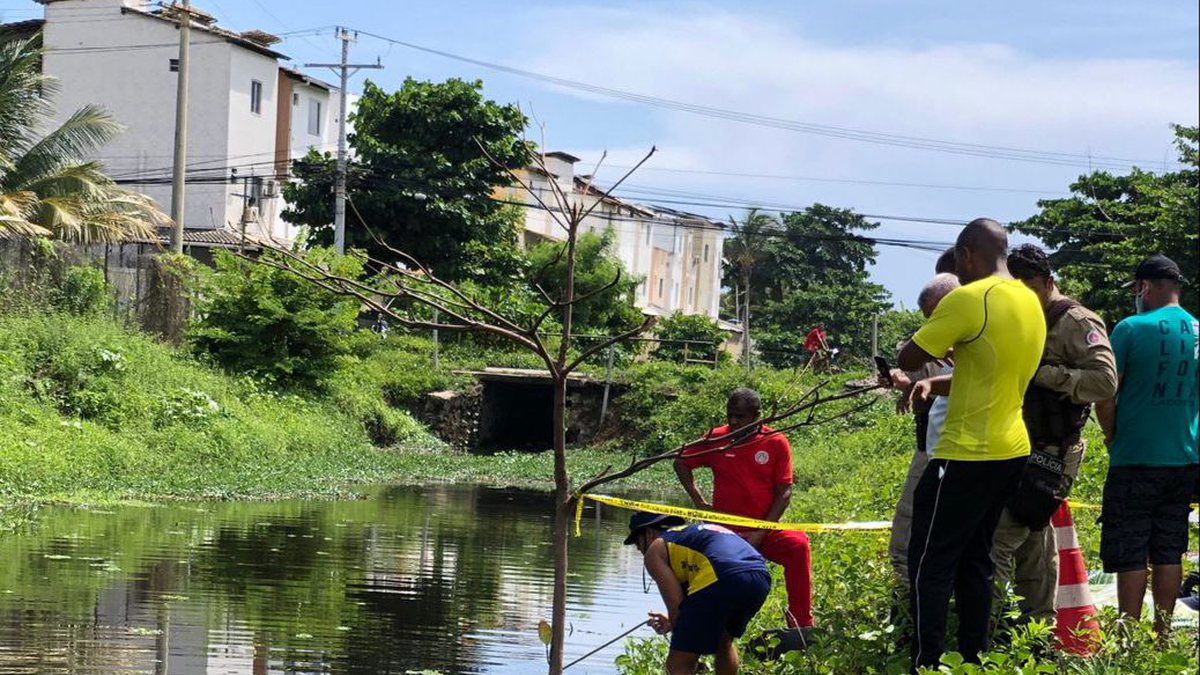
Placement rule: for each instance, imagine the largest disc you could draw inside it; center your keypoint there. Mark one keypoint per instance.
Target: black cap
(1157, 266)
(644, 519)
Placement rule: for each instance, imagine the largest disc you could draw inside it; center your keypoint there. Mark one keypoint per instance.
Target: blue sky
(1097, 77)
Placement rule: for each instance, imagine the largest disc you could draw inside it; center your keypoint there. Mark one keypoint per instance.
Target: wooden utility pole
(344, 70)
(179, 171)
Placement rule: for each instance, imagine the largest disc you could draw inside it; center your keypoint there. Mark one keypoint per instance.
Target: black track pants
(955, 510)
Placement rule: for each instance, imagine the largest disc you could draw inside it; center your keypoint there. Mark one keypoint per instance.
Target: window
(660, 287)
(647, 235)
(255, 97)
(706, 253)
(173, 65)
(295, 98)
(314, 117)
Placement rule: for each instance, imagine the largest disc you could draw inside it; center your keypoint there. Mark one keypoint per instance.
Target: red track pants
(790, 550)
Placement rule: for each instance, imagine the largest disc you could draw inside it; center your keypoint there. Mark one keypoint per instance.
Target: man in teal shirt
(1150, 429)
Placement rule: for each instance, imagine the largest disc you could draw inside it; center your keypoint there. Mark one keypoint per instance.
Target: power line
(846, 133)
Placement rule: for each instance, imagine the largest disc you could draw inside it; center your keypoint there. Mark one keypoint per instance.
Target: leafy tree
(692, 328)
(896, 326)
(263, 321)
(48, 187)
(599, 278)
(1110, 223)
(422, 176)
(745, 249)
(815, 271)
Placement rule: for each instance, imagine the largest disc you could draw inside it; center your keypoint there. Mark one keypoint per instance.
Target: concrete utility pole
(344, 70)
(179, 172)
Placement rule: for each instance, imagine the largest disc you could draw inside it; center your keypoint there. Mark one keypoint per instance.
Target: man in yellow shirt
(997, 330)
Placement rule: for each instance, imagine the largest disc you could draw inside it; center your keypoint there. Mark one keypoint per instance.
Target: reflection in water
(447, 578)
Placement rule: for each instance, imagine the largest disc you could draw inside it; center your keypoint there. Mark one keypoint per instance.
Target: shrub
(82, 291)
(269, 323)
(689, 336)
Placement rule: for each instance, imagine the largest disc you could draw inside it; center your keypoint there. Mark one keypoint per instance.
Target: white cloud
(974, 93)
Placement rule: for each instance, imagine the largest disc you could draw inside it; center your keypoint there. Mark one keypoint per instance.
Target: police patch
(1094, 338)
(762, 457)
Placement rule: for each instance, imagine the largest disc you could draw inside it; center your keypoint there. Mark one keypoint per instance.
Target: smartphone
(885, 371)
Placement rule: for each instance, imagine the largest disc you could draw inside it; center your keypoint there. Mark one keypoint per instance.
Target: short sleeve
(692, 462)
(958, 317)
(1121, 338)
(782, 474)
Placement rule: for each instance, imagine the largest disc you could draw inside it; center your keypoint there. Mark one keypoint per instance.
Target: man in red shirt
(754, 479)
(815, 341)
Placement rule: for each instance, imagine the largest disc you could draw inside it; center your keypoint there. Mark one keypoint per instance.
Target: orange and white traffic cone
(1075, 626)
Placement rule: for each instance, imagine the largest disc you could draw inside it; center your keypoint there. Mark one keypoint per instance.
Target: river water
(449, 579)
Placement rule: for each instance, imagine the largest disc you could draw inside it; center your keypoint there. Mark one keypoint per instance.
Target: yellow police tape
(722, 518)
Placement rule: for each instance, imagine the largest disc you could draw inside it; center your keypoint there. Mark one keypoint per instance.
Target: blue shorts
(723, 607)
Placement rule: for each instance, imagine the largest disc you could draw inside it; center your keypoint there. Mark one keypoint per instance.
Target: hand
(899, 379)
(921, 391)
(756, 538)
(660, 622)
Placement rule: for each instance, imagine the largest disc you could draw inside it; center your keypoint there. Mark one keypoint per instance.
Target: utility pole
(179, 172)
(344, 70)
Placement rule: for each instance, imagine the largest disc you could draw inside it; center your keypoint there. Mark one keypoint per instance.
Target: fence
(144, 290)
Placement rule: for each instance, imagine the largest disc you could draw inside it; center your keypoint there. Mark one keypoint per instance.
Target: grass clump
(90, 409)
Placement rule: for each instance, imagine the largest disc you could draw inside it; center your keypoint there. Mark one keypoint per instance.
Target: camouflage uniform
(1078, 362)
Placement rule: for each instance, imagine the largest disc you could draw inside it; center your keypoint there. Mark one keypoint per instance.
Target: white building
(247, 116)
(676, 255)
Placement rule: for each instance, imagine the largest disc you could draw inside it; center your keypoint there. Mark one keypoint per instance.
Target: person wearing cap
(1077, 369)
(712, 583)
(1150, 429)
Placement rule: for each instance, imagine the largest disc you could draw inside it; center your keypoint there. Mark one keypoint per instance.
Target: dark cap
(1157, 266)
(644, 519)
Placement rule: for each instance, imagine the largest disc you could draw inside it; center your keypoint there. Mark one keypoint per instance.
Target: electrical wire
(916, 142)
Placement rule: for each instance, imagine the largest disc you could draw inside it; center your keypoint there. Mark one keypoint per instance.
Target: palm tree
(48, 187)
(744, 249)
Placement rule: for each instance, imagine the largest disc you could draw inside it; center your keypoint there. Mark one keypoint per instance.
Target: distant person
(995, 326)
(1077, 369)
(1150, 429)
(927, 301)
(712, 582)
(815, 341)
(754, 479)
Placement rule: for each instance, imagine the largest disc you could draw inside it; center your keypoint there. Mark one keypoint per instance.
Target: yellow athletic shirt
(997, 330)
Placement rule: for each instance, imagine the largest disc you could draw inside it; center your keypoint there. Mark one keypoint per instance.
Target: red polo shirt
(745, 476)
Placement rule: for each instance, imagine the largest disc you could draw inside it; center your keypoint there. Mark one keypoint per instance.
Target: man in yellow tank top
(996, 328)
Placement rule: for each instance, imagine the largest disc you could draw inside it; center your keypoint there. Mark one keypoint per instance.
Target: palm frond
(77, 139)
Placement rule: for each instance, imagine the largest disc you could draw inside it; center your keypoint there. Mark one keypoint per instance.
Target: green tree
(599, 278)
(815, 271)
(1110, 223)
(422, 177)
(745, 249)
(48, 187)
(263, 321)
(693, 335)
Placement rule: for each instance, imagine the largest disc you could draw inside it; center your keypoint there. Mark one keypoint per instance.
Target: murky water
(446, 578)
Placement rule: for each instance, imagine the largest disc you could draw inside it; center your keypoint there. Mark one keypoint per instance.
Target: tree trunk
(746, 318)
(562, 524)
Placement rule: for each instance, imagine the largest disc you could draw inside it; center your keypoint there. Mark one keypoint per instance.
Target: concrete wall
(121, 61)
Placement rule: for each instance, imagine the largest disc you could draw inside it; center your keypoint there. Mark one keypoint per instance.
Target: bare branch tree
(404, 287)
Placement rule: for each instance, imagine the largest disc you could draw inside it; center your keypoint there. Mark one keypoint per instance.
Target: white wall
(125, 67)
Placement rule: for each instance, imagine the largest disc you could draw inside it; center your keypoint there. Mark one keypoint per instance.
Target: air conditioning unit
(270, 189)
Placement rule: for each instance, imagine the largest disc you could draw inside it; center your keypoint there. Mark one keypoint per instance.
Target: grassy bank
(91, 411)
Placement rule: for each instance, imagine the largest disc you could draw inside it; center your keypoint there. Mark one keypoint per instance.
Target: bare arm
(688, 480)
(912, 357)
(658, 564)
